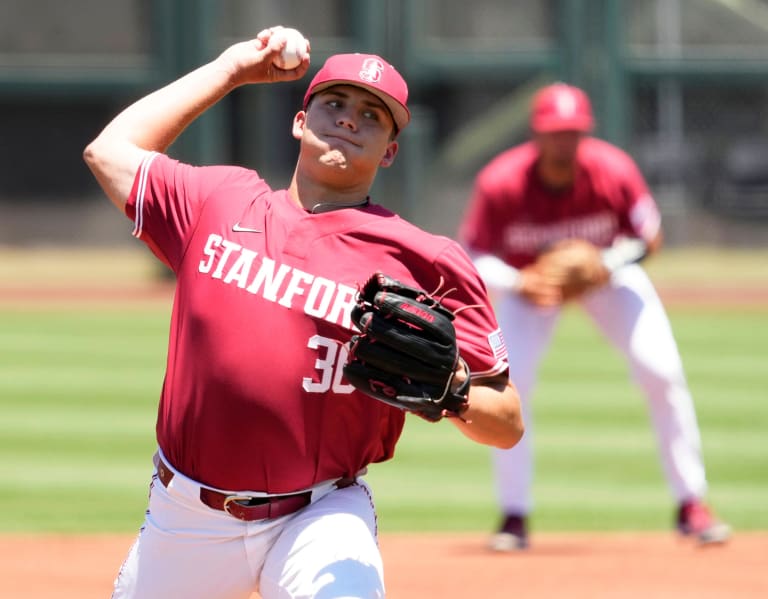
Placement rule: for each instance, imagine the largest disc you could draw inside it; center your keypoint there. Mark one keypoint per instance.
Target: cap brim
(400, 114)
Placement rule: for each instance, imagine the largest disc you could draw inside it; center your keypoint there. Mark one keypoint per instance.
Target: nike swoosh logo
(238, 229)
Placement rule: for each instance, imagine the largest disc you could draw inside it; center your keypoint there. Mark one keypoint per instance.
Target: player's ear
(389, 154)
(299, 123)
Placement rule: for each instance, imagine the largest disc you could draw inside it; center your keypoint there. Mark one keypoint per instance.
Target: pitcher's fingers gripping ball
(406, 354)
(295, 50)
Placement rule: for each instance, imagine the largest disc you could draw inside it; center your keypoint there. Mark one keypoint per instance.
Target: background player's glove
(406, 354)
(575, 266)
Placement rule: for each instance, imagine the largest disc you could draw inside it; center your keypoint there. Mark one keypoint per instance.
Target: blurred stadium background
(681, 84)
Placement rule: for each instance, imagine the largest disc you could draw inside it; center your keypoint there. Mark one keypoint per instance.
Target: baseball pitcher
(307, 322)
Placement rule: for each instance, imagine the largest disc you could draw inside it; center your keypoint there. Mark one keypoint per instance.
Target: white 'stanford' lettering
(530, 238)
(229, 247)
(280, 283)
(241, 268)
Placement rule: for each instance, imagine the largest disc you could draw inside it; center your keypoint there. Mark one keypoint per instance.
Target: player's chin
(334, 158)
(341, 143)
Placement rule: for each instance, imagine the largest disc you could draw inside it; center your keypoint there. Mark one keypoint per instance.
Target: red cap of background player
(370, 72)
(561, 107)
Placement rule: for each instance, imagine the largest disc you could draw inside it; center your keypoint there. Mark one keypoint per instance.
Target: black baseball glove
(406, 354)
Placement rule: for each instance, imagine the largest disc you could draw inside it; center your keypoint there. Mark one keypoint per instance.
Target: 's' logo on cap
(566, 104)
(371, 70)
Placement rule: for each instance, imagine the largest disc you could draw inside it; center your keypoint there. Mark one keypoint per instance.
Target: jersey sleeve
(479, 337)
(481, 223)
(643, 216)
(167, 199)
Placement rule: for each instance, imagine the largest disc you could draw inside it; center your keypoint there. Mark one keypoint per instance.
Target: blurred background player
(565, 184)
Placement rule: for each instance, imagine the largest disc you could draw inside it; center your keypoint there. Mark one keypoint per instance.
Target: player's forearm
(494, 416)
(152, 124)
(155, 121)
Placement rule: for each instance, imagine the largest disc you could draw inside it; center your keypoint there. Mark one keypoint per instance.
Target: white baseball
(296, 48)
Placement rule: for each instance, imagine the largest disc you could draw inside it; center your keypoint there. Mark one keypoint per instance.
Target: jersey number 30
(330, 364)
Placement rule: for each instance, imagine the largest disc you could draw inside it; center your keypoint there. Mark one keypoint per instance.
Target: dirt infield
(423, 566)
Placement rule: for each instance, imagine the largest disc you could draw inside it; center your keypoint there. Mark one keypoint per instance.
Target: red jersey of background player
(256, 270)
(513, 215)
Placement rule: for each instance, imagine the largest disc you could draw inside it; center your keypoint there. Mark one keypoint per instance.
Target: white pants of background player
(186, 549)
(630, 315)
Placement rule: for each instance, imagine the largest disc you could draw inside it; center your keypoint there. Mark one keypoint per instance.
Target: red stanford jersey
(253, 397)
(513, 215)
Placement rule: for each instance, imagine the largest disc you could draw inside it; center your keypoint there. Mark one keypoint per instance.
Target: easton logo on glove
(406, 353)
(423, 314)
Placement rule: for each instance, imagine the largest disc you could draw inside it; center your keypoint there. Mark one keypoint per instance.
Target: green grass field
(596, 466)
(79, 386)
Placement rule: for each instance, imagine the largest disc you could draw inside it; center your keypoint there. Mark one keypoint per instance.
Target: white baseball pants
(631, 316)
(186, 549)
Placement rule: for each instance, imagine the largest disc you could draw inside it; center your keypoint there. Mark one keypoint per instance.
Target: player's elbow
(514, 433)
(96, 157)
(515, 426)
(107, 152)
(91, 155)
(114, 163)
(500, 401)
(88, 154)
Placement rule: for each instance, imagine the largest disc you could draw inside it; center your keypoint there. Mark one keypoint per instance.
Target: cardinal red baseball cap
(561, 107)
(370, 72)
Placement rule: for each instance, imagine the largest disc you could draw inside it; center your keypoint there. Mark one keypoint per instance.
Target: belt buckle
(234, 499)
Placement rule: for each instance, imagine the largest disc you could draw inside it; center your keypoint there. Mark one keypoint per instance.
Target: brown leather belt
(247, 507)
